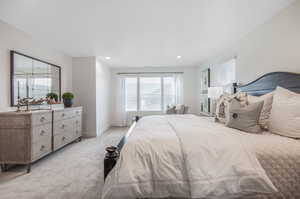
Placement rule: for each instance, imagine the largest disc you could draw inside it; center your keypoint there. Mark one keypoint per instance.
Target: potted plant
(52, 98)
(68, 99)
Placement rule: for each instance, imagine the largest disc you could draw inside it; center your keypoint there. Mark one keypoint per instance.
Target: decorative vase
(68, 102)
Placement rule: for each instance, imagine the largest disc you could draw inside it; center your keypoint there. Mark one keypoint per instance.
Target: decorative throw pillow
(223, 102)
(186, 109)
(179, 109)
(266, 110)
(220, 108)
(285, 113)
(171, 110)
(243, 117)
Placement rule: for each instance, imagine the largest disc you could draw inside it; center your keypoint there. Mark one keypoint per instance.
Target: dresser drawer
(41, 148)
(63, 126)
(77, 133)
(41, 118)
(15, 121)
(62, 139)
(78, 112)
(62, 115)
(41, 132)
(77, 121)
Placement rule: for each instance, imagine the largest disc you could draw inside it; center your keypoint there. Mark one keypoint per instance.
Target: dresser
(66, 126)
(25, 137)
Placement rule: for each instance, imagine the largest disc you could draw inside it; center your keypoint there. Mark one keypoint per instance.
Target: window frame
(162, 103)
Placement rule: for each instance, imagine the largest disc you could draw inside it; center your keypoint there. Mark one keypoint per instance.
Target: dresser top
(38, 111)
(24, 112)
(67, 109)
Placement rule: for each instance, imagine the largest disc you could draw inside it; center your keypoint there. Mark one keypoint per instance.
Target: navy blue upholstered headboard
(268, 82)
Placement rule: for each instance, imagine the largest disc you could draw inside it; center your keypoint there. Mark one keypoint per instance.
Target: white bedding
(185, 156)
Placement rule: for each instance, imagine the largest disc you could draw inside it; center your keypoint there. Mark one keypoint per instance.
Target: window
(169, 91)
(131, 94)
(149, 93)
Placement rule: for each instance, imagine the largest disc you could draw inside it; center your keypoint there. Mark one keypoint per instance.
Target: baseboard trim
(105, 128)
(89, 134)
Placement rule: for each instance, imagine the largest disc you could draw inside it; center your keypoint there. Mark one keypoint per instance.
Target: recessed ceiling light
(178, 57)
(107, 57)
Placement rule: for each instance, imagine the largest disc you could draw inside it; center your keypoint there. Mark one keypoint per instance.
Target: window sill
(143, 111)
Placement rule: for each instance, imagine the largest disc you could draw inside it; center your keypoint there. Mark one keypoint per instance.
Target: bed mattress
(186, 156)
(280, 158)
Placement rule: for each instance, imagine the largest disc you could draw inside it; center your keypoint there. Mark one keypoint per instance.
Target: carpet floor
(74, 172)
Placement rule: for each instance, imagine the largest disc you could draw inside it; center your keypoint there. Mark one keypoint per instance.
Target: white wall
(14, 39)
(103, 97)
(91, 87)
(189, 86)
(273, 46)
(84, 88)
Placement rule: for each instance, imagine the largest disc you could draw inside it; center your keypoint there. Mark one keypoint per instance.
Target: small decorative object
(29, 101)
(137, 118)
(68, 99)
(110, 160)
(52, 98)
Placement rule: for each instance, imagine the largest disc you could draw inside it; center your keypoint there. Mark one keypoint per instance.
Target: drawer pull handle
(64, 138)
(42, 119)
(63, 115)
(63, 126)
(42, 132)
(77, 112)
(42, 148)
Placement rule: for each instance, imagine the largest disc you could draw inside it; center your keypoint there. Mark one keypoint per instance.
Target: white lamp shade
(214, 92)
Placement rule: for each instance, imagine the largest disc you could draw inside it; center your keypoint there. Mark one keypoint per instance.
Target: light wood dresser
(66, 126)
(28, 136)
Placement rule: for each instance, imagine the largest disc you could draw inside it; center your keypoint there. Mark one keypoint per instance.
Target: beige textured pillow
(179, 109)
(243, 117)
(285, 113)
(266, 110)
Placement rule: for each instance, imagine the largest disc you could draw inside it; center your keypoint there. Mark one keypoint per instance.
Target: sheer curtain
(120, 102)
(178, 88)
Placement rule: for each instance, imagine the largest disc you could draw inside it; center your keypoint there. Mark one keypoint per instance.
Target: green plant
(52, 96)
(68, 95)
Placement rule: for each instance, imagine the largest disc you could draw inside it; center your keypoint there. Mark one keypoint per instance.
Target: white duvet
(185, 156)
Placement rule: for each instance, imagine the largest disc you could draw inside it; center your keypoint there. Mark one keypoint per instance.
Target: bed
(185, 156)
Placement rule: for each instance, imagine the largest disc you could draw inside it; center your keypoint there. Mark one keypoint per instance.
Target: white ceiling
(140, 32)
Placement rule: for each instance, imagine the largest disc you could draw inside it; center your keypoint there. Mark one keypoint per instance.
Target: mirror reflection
(33, 78)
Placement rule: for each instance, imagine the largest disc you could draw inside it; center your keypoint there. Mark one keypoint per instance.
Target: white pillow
(266, 110)
(285, 113)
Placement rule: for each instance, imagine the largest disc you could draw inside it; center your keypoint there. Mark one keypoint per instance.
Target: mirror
(33, 78)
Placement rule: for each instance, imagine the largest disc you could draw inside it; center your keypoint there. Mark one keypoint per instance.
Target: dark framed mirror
(33, 78)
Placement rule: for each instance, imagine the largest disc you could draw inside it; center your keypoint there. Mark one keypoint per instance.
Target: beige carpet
(74, 172)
